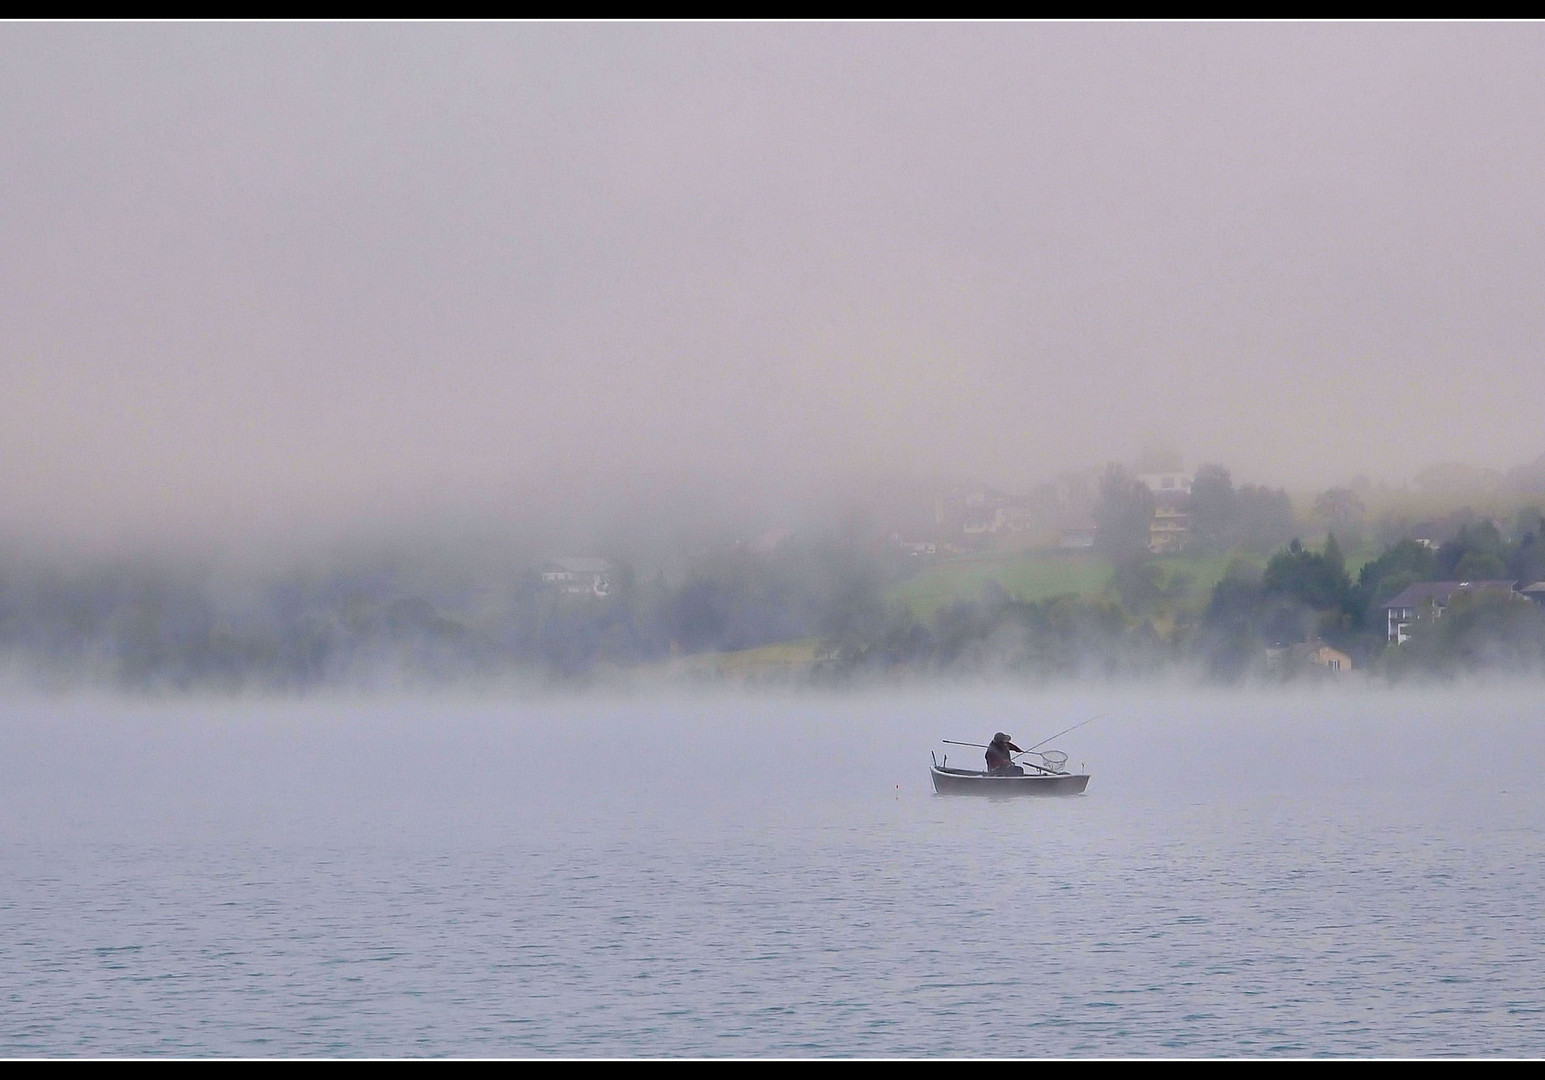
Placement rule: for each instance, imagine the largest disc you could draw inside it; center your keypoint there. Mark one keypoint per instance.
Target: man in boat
(999, 761)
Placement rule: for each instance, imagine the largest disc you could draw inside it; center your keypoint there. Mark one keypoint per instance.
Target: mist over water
(1332, 873)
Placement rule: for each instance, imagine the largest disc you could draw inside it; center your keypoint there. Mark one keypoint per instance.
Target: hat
(1000, 737)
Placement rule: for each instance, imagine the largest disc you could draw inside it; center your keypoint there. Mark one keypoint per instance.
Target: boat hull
(961, 782)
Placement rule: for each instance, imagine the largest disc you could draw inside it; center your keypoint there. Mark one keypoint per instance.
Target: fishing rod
(1064, 731)
(1043, 742)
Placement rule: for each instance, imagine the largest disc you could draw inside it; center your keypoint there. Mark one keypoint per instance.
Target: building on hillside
(951, 508)
(1169, 528)
(1166, 483)
(982, 513)
(1171, 523)
(1535, 592)
(977, 520)
(917, 549)
(1013, 519)
(1330, 659)
(1306, 657)
(579, 577)
(1429, 599)
(1078, 537)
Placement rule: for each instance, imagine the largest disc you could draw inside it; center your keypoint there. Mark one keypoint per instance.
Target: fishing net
(1054, 760)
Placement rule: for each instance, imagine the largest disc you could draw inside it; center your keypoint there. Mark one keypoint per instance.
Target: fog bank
(272, 279)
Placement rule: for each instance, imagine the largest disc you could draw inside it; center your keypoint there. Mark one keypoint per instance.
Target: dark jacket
(998, 752)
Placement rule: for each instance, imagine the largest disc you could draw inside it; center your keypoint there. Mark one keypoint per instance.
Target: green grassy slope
(1037, 575)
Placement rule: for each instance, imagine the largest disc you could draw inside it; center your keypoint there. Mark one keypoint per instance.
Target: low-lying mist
(473, 769)
(898, 580)
(836, 602)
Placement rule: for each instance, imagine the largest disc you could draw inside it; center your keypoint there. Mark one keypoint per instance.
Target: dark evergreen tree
(1124, 514)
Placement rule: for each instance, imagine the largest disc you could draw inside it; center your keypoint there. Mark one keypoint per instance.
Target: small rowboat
(1048, 778)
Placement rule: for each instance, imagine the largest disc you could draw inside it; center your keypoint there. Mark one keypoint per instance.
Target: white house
(1166, 483)
(579, 576)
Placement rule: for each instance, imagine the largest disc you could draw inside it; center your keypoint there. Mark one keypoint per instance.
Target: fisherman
(999, 763)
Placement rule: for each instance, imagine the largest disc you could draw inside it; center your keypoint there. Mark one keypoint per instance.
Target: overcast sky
(255, 273)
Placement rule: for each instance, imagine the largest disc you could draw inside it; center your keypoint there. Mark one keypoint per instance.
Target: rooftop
(1440, 592)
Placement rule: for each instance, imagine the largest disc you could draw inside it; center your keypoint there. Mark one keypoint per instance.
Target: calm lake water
(1322, 874)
